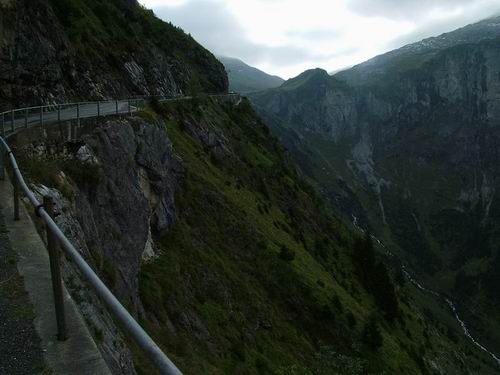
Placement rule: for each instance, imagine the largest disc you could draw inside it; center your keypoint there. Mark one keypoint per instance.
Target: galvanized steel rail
(15, 119)
(23, 118)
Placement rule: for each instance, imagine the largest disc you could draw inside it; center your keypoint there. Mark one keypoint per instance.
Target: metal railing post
(15, 185)
(41, 115)
(78, 111)
(116, 104)
(98, 109)
(55, 272)
(26, 118)
(12, 120)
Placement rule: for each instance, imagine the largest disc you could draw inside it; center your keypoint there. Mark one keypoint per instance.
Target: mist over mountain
(245, 79)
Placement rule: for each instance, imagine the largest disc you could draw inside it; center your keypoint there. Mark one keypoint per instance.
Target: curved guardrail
(15, 119)
(25, 117)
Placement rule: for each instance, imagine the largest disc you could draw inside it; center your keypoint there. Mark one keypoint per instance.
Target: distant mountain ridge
(245, 79)
(380, 67)
(407, 143)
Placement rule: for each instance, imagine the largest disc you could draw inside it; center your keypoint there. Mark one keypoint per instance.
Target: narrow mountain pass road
(19, 119)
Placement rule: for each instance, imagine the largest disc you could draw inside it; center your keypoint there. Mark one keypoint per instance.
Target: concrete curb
(79, 353)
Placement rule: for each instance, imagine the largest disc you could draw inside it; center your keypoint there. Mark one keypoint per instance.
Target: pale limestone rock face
(115, 221)
(111, 341)
(85, 155)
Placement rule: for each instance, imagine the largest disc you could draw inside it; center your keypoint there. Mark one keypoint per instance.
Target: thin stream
(450, 303)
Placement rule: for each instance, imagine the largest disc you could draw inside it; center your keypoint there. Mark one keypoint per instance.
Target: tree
(286, 254)
(364, 258)
(384, 292)
(375, 277)
(371, 334)
(399, 277)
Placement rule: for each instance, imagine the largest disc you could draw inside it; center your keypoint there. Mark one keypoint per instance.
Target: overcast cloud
(286, 37)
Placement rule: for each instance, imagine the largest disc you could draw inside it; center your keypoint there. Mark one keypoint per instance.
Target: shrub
(371, 336)
(238, 350)
(83, 173)
(351, 320)
(384, 292)
(286, 254)
(327, 362)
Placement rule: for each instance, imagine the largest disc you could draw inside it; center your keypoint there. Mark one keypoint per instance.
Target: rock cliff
(407, 143)
(195, 216)
(63, 50)
(197, 220)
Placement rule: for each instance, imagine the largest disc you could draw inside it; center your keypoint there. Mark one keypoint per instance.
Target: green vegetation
(245, 79)
(371, 334)
(47, 171)
(256, 275)
(94, 25)
(327, 362)
(288, 255)
(375, 279)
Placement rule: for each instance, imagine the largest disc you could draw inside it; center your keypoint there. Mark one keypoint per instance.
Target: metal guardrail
(22, 118)
(16, 119)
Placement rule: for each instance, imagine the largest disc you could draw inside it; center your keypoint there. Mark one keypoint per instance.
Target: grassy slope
(451, 238)
(235, 305)
(323, 160)
(219, 299)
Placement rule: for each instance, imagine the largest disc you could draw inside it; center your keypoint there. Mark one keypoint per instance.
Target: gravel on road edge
(20, 350)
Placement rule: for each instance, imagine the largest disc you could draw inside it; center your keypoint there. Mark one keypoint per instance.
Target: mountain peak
(377, 69)
(311, 77)
(317, 72)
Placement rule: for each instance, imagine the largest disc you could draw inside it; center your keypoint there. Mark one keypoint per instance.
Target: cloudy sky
(286, 37)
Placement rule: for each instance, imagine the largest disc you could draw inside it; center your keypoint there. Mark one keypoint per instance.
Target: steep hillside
(228, 257)
(245, 79)
(407, 145)
(198, 220)
(62, 50)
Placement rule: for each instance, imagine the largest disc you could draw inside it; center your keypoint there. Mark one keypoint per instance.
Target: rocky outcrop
(419, 131)
(119, 165)
(314, 101)
(114, 201)
(137, 169)
(107, 336)
(417, 128)
(48, 56)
